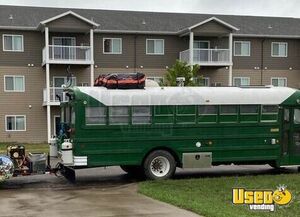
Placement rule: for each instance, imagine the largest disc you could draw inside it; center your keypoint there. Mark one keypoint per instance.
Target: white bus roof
(189, 95)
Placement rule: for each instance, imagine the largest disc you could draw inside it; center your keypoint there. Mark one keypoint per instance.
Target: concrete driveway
(98, 192)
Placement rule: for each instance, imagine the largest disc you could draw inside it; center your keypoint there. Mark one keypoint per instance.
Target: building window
(279, 49)
(241, 81)
(242, 48)
(279, 82)
(112, 45)
(14, 83)
(155, 46)
(201, 44)
(15, 122)
(204, 81)
(13, 43)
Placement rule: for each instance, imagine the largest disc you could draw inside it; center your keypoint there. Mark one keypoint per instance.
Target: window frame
(241, 55)
(12, 35)
(15, 120)
(241, 77)
(284, 78)
(121, 46)
(286, 49)
(155, 39)
(14, 91)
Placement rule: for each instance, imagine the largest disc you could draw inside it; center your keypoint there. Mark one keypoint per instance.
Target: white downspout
(230, 60)
(191, 49)
(92, 57)
(48, 84)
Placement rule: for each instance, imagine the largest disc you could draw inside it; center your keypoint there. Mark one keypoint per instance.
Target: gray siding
(32, 50)
(211, 28)
(18, 104)
(281, 63)
(114, 60)
(173, 45)
(272, 63)
(69, 22)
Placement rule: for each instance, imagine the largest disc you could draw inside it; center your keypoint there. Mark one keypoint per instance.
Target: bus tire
(159, 165)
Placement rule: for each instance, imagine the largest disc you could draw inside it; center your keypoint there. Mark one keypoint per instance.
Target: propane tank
(67, 152)
(6, 168)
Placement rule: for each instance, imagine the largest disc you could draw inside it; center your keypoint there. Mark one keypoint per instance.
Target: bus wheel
(132, 170)
(159, 164)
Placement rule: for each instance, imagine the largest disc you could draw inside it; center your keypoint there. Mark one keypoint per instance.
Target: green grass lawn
(212, 197)
(34, 148)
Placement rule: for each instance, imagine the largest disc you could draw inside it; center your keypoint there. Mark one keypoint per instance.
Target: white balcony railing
(56, 96)
(68, 54)
(207, 56)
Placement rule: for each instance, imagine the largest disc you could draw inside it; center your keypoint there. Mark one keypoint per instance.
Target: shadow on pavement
(115, 177)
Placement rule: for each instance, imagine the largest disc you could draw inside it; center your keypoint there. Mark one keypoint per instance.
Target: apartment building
(40, 44)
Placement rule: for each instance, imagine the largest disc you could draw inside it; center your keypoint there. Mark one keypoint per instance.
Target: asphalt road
(100, 192)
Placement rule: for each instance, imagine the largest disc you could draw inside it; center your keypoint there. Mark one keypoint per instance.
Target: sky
(282, 8)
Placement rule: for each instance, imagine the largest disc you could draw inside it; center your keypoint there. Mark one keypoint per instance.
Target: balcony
(207, 57)
(56, 93)
(59, 54)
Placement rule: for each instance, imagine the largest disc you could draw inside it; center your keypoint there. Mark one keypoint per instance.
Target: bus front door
(290, 137)
(294, 145)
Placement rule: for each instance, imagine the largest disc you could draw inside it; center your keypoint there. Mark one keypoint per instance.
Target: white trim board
(69, 13)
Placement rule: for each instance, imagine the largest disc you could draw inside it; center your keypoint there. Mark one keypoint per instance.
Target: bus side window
(228, 113)
(185, 114)
(269, 113)
(141, 115)
(95, 115)
(249, 113)
(207, 113)
(164, 114)
(118, 115)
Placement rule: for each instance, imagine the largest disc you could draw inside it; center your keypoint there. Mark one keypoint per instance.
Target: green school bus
(156, 129)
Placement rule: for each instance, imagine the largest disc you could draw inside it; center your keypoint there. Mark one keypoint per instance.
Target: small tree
(182, 69)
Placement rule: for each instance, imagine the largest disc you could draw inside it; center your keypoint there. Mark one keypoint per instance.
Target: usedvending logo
(264, 200)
